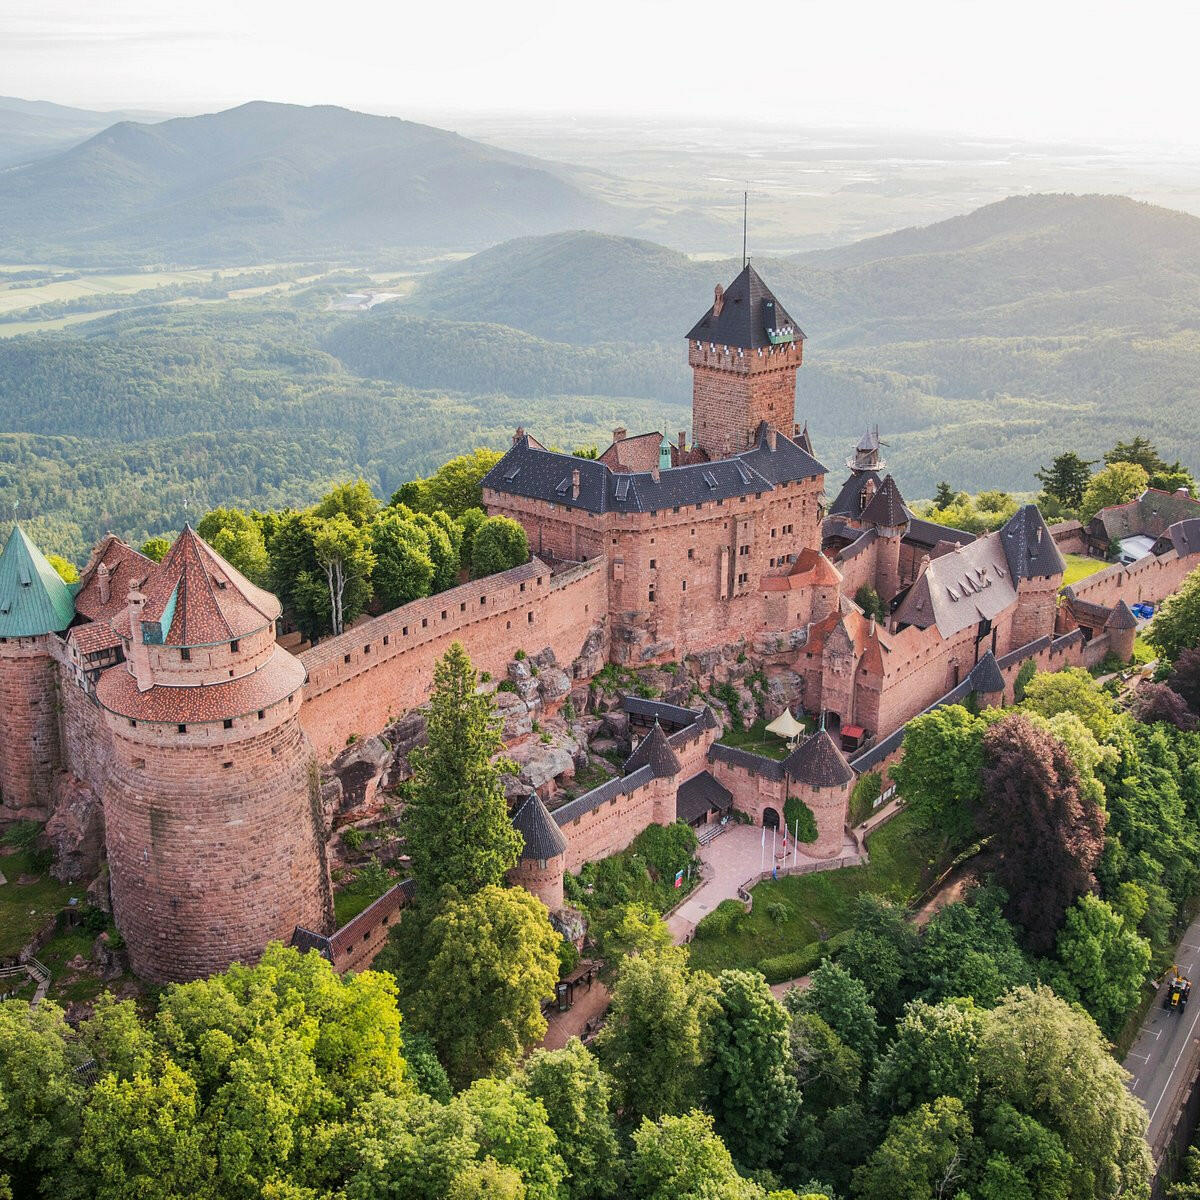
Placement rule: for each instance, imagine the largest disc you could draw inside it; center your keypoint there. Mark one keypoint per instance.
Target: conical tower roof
(33, 598)
(654, 751)
(1121, 617)
(886, 507)
(541, 837)
(818, 762)
(748, 317)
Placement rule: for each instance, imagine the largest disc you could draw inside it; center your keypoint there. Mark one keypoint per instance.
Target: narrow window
(185, 654)
(227, 723)
(183, 729)
(235, 645)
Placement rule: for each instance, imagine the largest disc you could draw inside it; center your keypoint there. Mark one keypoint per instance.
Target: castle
(155, 700)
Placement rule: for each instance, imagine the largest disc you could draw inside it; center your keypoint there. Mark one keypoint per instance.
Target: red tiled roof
(279, 677)
(637, 453)
(94, 637)
(213, 601)
(125, 566)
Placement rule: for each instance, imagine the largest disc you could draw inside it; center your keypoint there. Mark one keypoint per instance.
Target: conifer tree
(456, 821)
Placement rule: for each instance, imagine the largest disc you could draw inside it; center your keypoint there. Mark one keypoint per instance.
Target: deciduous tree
(343, 552)
(403, 566)
(843, 1003)
(500, 543)
(925, 1155)
(1117, 483)
(682, 1158)
(1176, 627)
(933, 1054)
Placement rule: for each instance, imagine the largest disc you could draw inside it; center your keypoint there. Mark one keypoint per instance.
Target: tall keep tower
(35, 605)
(744, 354)
(212, 809)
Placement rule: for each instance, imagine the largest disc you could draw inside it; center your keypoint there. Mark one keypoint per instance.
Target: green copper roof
(33, 598)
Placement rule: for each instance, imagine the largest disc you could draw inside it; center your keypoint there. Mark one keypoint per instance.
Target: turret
(543, 853)
(887, 515)
(744, 354)
(818, 773)
(35, 606)
(212, 808)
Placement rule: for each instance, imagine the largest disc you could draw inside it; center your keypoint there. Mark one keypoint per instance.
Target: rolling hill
(265, 181)
(31, 129)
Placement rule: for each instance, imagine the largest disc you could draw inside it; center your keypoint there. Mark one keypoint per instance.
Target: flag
(679, 878)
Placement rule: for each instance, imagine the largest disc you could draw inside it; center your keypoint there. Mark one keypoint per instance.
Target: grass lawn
(757, 740)
(25, 908)
(1079, 566)
(822, 904)
(358, 894)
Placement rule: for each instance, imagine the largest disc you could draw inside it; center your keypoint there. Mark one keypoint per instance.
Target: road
(1167, 1047)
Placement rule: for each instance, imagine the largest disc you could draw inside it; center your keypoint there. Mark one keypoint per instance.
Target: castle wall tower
(1036, 568)
(216, 840)
(543, 853)
(818, 773)
(744, 354)
(887, 515)
(35, 606)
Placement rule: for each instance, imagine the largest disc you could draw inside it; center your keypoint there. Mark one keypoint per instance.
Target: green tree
(932, 1054)
(825, 1068)
(68, 572)
(944, 496)
(880, 950)
(682, 1158)
(403, 566)
(925, 1155)
(238, 538)
(1105, 960)
(156, 548)
(843, 1003)
(490, 960)
(1140, 451)
(1049, 1060)
(442, 550)
(455, 821)
(748, 1081)
(1066, 478)
(354, 500)
(1176, 626)
(456, 485)
(1117, 483)
(469, 524)
(577, 1098)
(629, 929)
(1072, 691)
(509, 1126)
(867, 598)
(938, 776)
(499, 544)
(343, 551)
(653, 1042)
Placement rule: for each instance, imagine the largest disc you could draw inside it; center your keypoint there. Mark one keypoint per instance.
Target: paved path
(1167, 1048)
(737, 855)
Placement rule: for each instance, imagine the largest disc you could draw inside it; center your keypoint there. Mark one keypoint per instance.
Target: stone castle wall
(30, 748)
(216, 844)
(734, 390)
(86, 742)
(1149, 580)
(361, 681)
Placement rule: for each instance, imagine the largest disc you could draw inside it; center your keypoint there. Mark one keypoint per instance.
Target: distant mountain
(273, 180)
(982, 343)
(31, 129)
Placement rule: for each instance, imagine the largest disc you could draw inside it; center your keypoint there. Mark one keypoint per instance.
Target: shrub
(520, 656)
(781, 967)
(353, 838)
(727, 917)
(568, 958)
(779, 911)
(799, 819)
(862, 798)
(506, 685)
(1024, 675)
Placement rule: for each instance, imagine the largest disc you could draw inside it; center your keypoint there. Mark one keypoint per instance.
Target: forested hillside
(266, 180)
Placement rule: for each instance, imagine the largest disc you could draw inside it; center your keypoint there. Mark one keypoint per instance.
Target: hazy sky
(1055, 68)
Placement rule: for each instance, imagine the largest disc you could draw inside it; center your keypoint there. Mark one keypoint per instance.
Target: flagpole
(762, 849)
(774, 833)
(795, 841)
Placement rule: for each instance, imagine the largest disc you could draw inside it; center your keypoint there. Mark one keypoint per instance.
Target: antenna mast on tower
(745, 218)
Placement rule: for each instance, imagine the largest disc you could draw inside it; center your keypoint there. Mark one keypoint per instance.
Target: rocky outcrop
(358, 769)
(592, 655)
(75, 830)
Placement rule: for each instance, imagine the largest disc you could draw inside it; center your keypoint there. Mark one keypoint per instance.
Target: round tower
(887, 514)
(543, 853)
(215, 833)
(818, 773)
(35, 606)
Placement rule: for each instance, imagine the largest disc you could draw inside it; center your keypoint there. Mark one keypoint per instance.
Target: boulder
(704, 662)
(680, 694)
(99, 895)
(75, 829)
(517, 724)
(617, 724)
(785, 689)
(553, 684)
(593, 654)
(404, 736)
(545, 658)
(571, 923)
(581, 697)
(518, 670)
(359, 769)
(527, 689)
(656, 649)
(540, 763)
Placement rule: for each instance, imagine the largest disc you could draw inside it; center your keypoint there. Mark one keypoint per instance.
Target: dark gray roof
(758, 764)
(1028, 545)
(654, 751)
(597, 796)
(1026, 651)
(541, 836)
(1184, 536)
(818, 762)
(848, 501)
(750, 318)
(804, 440)
(865, 539)
(1122, 617)
(929, 533)
(537, 474)
(699, 795)
(672, 714)
(886, 507)
(986, 677)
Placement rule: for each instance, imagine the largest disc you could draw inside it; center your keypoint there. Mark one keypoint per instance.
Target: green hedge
(723, 919)
(782, 967)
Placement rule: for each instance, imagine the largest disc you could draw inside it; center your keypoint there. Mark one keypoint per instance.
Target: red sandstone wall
(373, 673)
(732, 392)
(215, 847)
(1151, 579)
(30, 754)
(86, 742)
(611, 827)
(1069, 537)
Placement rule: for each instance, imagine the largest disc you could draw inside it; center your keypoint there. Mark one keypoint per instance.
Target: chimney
(771, 437)
(718, 300)
(654, 472)
(103, 583)
(575, 484)
(619, 433)
(871, 627)
(519, 434)
(1183, 492)
(682, 440)
(139, 656)
(922, 567)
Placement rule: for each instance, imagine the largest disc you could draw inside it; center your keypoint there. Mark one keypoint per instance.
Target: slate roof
(986, 677)
(33, 598)
(864, 541)
(1152, 513)
(818, 762)
(537, 474)
(541, 837)
(749, 310)
(1184, 536)
(758, 764)
(673, 714)
(592, 800)
(804, 440)
(197, 599)
(1028, 545)
(848, 501)
(699, 795)
(930, 533)
(280, 676)
(655, 752)
(886, 507)
(1122, 617)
